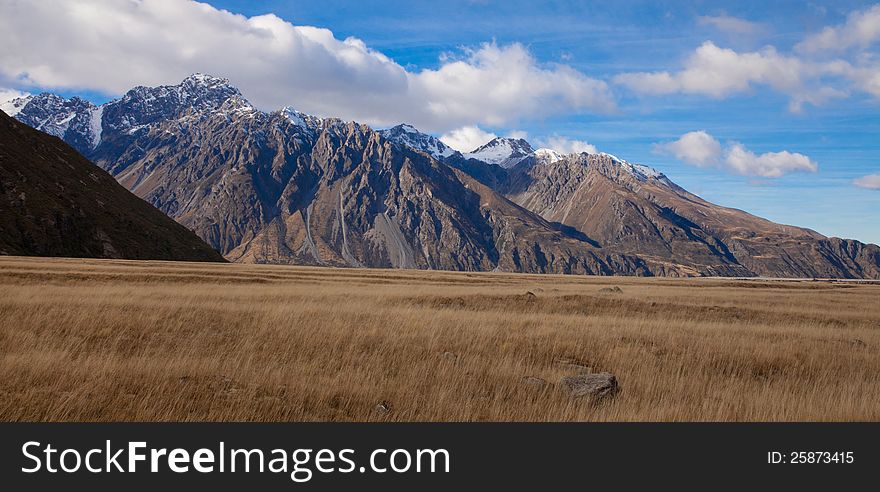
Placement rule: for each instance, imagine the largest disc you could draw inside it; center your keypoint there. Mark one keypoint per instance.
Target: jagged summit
(502, 151)
(83, 125)
(409, 136)
(205, 80)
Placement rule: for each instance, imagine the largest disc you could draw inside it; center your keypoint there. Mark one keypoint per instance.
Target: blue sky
(837, 129)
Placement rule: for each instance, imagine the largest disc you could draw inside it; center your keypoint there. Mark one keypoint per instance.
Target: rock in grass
(450, 356)
(611, 290)
(594, 385)
(383, 408)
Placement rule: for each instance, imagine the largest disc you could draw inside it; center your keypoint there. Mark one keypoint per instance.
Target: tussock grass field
(99, 340)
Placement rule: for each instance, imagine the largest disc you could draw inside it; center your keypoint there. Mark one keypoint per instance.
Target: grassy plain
(103, 340)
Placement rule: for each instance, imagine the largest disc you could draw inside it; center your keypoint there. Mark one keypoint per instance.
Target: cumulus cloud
(870, 182)
(566, 145)
(467, 138)
(500, 84)
(731, 25)
(719, 72)
(767, 165)
(803, 75)
(111, 45)
(861, 29)
(701, 149)
(697, 148)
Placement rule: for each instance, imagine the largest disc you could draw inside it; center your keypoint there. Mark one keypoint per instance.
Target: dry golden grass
(85, 340)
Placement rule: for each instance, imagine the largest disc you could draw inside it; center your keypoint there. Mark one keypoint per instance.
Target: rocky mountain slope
(285, 187)
(636, 210)
(53, 202)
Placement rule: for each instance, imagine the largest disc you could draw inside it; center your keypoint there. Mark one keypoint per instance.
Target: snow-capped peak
(54, 115)
(638, 171)
(505, 152)
(14, 106)
(409, 136)
(612, 157)
(205, 80)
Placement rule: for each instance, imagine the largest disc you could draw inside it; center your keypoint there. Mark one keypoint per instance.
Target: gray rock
(593, 385)
(449, 356)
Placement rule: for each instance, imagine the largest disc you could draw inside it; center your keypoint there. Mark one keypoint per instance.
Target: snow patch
(95, 118)
(294, 116)
(638, 171)
(647, 171)
(409, 136)
(548, 156)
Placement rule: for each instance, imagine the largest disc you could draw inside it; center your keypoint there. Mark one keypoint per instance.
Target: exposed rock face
(285, 187)
(53, 202)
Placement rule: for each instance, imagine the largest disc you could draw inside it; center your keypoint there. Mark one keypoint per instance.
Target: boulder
(592, 385)
(383, 408)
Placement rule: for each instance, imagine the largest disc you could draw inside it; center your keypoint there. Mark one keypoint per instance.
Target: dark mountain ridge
(53, 202)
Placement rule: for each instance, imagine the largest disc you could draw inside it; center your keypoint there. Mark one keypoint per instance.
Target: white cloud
(865, 74)
(564, 145)
(719, 72)
(731, 25)
(701, 149)
(871, 182)
(861, 29)
(806, 76)
(467, 138)
(768, 165)
(112, 45)
(494, 85)
(518, 134)
(7, 95)
(697, 148)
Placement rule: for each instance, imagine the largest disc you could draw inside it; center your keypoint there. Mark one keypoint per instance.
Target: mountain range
(286, 187)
